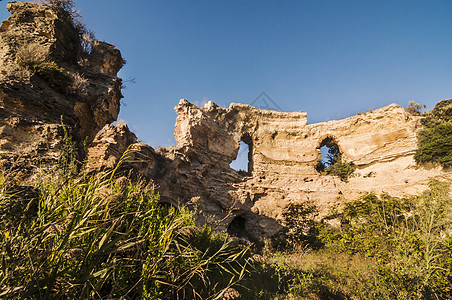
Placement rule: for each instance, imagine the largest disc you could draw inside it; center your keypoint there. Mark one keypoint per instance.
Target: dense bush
(385, 248)
(442, 112)
(435, 145)
(435, 140)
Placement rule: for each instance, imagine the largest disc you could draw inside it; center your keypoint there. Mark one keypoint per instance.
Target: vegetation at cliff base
(384, 248)
(80, 236)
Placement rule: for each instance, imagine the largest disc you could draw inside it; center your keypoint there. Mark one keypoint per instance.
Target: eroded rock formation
(284, 153)
(47, 78)
(116, 146)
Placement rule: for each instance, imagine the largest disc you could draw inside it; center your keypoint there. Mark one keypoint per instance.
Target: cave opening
(237, 227)
(329, 154)
(244, 160)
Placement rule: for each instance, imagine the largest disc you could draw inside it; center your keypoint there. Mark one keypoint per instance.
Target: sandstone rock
(108, 147)
(46, 79)
(284, 152)
(116, 146)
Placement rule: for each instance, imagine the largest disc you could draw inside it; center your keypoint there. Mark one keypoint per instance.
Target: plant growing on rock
(435, 140)
(333, 164)
(50, 71)
(86, 35)
(415, 108)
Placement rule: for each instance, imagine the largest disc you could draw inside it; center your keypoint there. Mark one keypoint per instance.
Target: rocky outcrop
(50, 76)
(284, 153)
(283, 159)
(47, 78)
(117, 147)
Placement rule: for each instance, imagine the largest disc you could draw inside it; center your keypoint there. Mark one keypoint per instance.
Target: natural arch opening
(244, 160)
(237, 227)
(331, 160)
(329, 154)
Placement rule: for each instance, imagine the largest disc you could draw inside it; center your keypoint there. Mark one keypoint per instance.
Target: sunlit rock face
(116, 147)
(47, 78)
(284, 153)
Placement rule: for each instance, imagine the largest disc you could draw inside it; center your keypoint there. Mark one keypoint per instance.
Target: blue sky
(330, 58)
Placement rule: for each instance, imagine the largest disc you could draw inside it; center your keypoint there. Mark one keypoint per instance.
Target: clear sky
(330, 58)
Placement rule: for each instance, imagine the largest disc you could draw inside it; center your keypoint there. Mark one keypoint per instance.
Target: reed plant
(102, 236)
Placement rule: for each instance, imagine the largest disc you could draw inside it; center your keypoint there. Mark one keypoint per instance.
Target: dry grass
(79, 84)
(31, 52)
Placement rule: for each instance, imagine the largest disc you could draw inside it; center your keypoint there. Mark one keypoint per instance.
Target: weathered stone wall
(284, 153)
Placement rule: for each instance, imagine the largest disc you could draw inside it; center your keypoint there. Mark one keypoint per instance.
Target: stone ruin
(284, 148)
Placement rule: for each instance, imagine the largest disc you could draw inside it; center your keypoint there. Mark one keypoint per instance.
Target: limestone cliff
(47, 77)
(284, 152)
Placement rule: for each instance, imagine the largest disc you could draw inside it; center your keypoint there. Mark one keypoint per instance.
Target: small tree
(299, 220)
(435, 145)
(415, 108)
(435, 140)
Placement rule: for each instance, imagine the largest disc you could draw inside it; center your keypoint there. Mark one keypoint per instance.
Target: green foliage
(406, 239)
(333, 164)
(385, 248)
(299, 220)
(341, 169)
(95, 237)
(435, 145)
(441, 113)
(49, 71)
(435, 140)
(68, 164)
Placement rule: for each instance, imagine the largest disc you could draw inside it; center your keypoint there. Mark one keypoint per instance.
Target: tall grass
(96, 237)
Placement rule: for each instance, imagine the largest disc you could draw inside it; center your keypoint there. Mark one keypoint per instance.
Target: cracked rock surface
(48, 79)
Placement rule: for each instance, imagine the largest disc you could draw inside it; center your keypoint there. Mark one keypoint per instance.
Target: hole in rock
(237, 227)
(329, 154)
(243, 162)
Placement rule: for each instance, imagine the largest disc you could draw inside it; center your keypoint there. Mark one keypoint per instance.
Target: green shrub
(442, 112)
(435, 145)
(404, 236)
(49, 71)
(301, 227)
(341, 169)
(385, 248)
(435, 140)
(333, 164)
